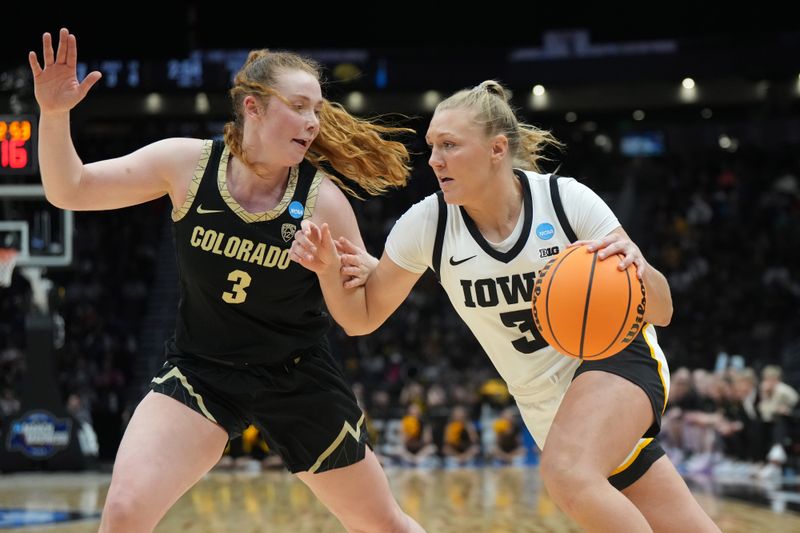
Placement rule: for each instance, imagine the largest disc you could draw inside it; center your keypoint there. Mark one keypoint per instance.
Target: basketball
(585, 307)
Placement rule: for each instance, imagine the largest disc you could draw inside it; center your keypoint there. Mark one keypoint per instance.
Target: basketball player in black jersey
(250, 340)
(596, 420)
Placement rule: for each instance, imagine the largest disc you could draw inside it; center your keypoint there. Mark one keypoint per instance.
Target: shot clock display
(18, 144)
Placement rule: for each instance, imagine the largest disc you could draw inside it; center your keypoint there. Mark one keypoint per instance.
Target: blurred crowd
(732, 422)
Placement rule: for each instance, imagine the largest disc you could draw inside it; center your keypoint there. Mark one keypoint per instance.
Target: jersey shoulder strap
(441, 225)
(208, 189)
(555, 197)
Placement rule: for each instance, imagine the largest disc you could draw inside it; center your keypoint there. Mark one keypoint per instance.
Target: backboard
(41, 232)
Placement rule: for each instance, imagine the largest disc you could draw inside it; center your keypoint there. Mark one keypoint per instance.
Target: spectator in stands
(417, 437)
(461, 440)
(507, 447)
(9, 404)
(776, 406)
(87, 438)
(745, 389)
(777, 399)
(249, 452)
(681, 400)
(437, 413)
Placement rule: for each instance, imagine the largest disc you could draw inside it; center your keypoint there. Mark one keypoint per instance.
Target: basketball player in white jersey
(486, 234)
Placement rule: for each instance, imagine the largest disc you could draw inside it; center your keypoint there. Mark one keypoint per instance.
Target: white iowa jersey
(490, 285)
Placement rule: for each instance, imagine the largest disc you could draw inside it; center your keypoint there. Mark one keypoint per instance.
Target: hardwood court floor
(495, 500)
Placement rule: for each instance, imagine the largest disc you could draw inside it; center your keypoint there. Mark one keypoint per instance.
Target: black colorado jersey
(241, 299)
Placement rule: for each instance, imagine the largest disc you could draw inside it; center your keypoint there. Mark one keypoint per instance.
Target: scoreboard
(18, 144)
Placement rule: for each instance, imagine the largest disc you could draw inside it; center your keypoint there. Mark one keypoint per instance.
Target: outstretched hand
(357, 264)
(313, 247)
(56, 86)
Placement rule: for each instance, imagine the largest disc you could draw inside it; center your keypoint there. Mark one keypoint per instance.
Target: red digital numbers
(17, 145)
(13, 154)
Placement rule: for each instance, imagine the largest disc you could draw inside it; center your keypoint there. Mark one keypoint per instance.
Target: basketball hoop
(8, 258)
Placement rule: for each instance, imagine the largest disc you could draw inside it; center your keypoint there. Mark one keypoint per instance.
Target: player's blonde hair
(489, 103)
(353, 147)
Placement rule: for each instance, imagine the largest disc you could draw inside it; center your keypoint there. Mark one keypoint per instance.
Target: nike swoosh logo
(455, 263)
(201, 211)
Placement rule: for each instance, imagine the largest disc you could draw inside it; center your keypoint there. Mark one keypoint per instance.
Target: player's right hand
(56, 86)
(357, 263)
(313, 247)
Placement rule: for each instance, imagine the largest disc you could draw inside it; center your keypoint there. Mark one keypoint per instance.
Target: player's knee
(565, 477)
(388, 520)
(120, 513)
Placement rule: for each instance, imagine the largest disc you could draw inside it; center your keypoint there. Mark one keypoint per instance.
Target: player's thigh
(665, 501)
(166, 449)
(598, 423)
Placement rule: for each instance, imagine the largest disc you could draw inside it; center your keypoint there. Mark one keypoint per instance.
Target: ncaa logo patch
(296, 209)
(545, 231)
(288, 231)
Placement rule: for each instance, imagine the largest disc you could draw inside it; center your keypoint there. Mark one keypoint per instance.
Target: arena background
(704, 178)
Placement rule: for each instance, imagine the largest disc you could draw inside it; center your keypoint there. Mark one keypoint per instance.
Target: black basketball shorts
(304, 408)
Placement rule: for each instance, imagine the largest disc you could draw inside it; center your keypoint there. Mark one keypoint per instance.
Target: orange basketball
(588, 308)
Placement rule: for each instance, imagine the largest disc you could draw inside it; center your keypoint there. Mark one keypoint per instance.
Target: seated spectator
(417, 437)
(777, 398)
(682, 399)
(87, 438)
(507, 447)
(775, 406)
(249, 452)
(495, 392)
(437, 413)
(745, 388)
(461, 441)
(9, 404)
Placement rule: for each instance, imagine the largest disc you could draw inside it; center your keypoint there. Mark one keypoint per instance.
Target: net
(8, 258)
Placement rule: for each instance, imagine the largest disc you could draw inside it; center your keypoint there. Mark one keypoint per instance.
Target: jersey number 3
(241, 280)
(523, 321)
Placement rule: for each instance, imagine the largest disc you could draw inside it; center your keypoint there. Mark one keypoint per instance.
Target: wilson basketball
(588, 308)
